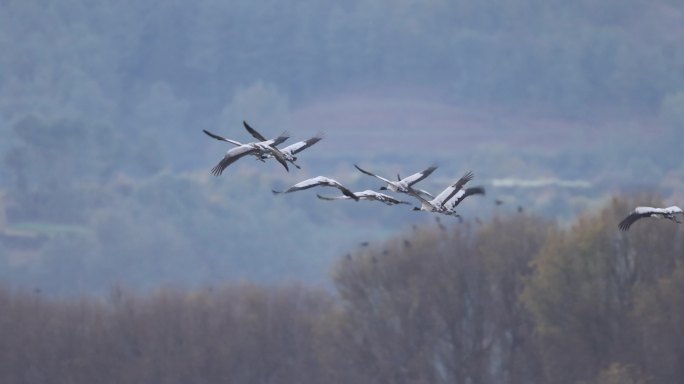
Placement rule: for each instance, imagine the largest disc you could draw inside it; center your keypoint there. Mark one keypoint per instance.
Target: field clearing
(407, 126)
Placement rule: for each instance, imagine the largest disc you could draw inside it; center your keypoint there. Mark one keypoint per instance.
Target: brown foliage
(239, 333)
(442, 305)
(513, 300)
(659, 326)
(582, 294)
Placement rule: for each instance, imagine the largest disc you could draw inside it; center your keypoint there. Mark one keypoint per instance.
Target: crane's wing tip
(324, 197)
(625, 224)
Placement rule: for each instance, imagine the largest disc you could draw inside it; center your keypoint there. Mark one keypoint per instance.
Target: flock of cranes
(444, 203)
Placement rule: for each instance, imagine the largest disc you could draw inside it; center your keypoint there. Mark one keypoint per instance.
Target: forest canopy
(122, 259)
(515, 299)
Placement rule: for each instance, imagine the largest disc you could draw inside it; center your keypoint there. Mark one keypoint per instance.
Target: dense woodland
(515, 299)
(122, 260)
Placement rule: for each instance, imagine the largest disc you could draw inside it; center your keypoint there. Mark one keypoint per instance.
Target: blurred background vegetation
(556, 106)
(123, 260)
(514, 299)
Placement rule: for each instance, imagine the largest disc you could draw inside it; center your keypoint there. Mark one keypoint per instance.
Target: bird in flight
(452, 203)
(438, 204)
(669, 213)
(403, 185)
(288, 152)
(320, 181)
(367, 195)
(255, 148)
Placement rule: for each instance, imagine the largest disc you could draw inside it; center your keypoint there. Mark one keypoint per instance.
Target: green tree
(442, 305)
(620, 374)
(577, 301)
(507, 247)
(582, 291)
(658, 316)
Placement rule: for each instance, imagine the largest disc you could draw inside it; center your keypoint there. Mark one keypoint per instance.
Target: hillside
(556, 106)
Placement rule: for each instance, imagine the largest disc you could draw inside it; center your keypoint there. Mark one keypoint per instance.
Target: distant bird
(241, 150)
(438, 203)
(660, 213)
(319, 181)
(452, 203)
(498, 202)
(288, 152)
(367, 195)
(439, 223)
(403, 185)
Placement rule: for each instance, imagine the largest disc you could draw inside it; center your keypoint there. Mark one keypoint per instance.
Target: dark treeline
(112, 56)
(515, 299)
(136, 64)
